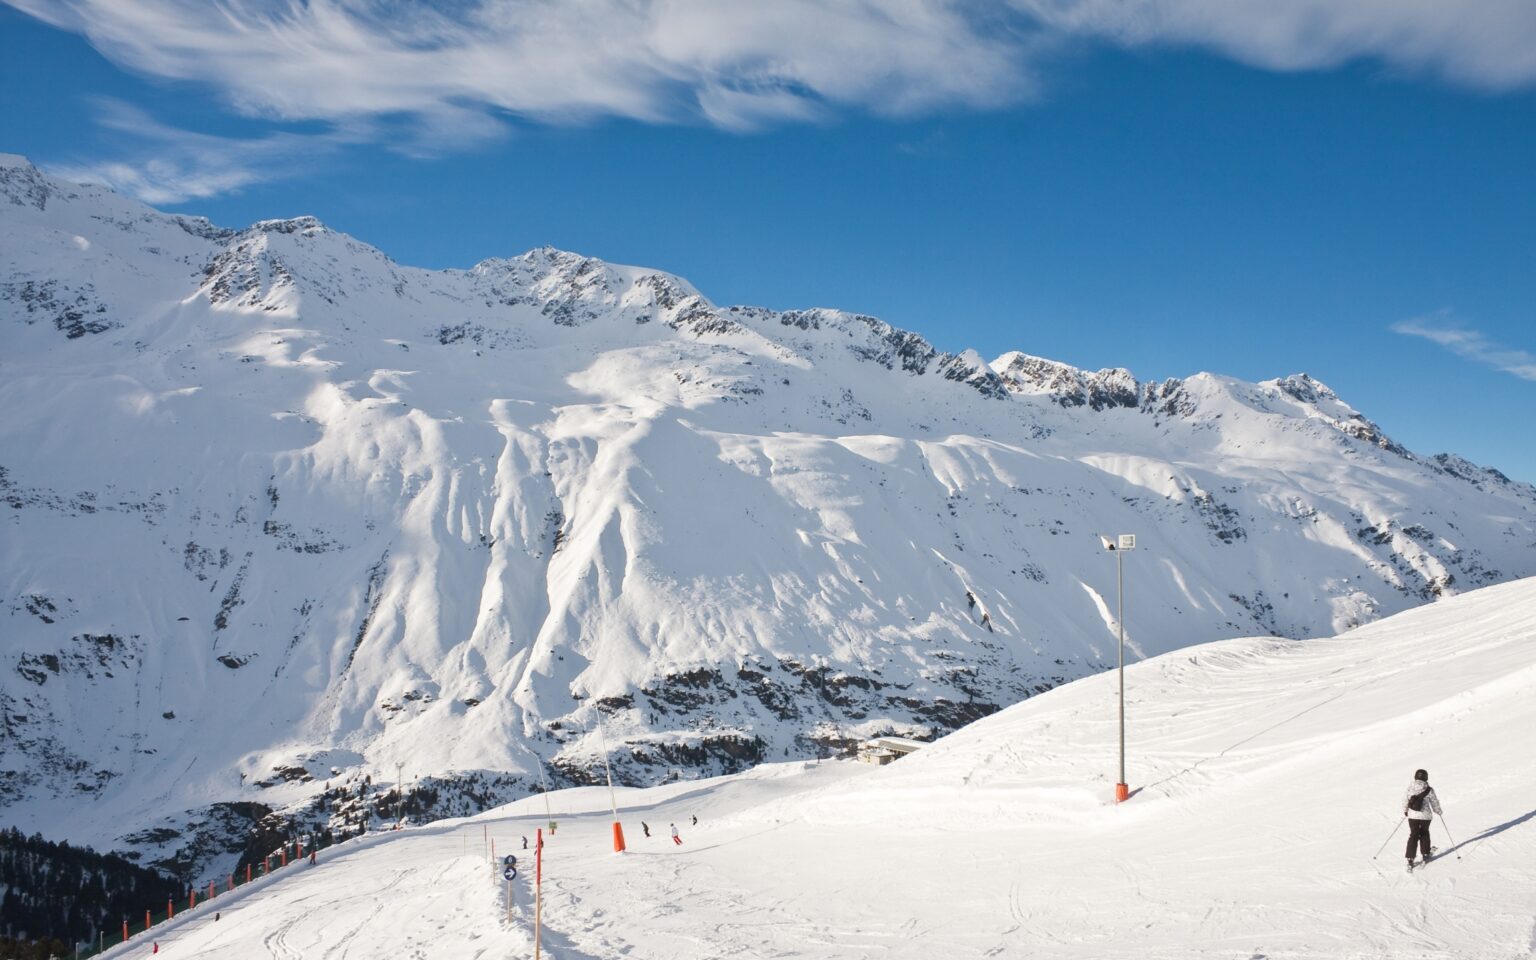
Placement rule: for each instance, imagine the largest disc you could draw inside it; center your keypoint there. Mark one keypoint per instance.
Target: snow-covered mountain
(279, 511)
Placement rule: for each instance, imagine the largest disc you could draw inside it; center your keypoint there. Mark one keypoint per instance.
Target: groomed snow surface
(1266, 775)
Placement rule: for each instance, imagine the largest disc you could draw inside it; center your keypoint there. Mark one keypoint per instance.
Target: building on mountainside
(883, 750)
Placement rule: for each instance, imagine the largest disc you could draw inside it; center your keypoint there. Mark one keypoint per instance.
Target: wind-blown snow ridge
(283, 511)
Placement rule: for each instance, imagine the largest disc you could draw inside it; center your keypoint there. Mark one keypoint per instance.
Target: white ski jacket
(1431, 802)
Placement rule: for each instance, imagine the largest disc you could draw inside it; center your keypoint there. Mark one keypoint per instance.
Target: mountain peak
(1022, 373)
(9, 160)
(1305, 387)
(306, 225)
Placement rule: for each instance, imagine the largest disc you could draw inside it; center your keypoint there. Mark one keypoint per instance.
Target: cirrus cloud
(743, 63)
(1443, 329)
(733, 64)
(1481, 43)
(452, 74)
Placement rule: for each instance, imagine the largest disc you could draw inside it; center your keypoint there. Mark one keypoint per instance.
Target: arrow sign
(509, 874)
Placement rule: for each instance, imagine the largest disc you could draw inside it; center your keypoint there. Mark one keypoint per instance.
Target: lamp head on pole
(1125, 541)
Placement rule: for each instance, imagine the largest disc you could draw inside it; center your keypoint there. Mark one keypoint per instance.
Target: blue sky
(1194, 186)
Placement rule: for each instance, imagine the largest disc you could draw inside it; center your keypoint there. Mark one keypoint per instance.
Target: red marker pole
(147, 923)
(538, 891)
(247, 873)
(125, 929)
(210, 889)
(284, 854)
(170, 909)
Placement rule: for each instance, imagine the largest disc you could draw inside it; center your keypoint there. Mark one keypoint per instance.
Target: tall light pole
(1118, 546)
(548, 814)
(399, 792)
(618, 831)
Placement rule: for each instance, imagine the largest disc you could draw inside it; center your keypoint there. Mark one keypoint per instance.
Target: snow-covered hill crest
(280, 510)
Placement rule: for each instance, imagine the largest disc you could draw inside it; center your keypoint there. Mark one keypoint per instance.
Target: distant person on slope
(1418, 801)
(675, 838)
(646, 827)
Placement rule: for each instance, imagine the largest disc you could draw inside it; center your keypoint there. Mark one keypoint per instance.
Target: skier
(646, 827)
(1418, 801)
(525, 843)
(312, 855)
(695, 819)
(675, 838)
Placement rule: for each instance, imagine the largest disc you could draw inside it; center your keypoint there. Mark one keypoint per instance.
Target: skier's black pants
(1418, 833)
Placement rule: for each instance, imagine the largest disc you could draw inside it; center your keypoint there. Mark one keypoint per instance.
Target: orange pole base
(618, 837)
(1122, 793)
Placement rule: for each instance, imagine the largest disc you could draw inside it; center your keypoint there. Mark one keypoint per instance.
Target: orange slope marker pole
(538, 892)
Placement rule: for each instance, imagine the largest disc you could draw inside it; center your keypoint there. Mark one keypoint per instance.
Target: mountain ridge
(457, 519)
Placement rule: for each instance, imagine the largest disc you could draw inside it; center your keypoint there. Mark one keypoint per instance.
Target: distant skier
(675, 838)
(695, 819)
(1418, 801)
(525, 843)
(646, 827)
(312, 855)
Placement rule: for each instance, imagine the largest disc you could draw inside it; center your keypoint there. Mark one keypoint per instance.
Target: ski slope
(1266, 774)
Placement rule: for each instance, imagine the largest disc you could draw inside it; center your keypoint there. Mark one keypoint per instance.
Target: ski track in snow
(1268, 772)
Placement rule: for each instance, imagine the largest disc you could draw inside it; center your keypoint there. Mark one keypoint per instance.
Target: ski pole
(1444, 826)
(1388, 840)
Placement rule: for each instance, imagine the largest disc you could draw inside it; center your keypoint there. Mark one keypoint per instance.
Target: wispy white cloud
(1489, 44)
(729, 62)
(433, 78)
(162, 164)
(1465, 342)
